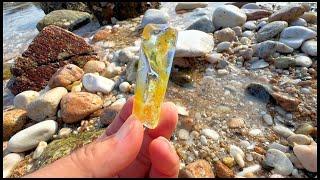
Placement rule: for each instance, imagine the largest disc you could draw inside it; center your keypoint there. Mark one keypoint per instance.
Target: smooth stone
(65, 76)
(77, 105)
(310, 47)
(13, 121)
(271, 30)
(222, 72)
(210, 134)
(30, 137)
(250, 25)
(235, 123)
(223, 46)
(279, 161)
(95, 83)
(76, 86)
(310, 17)
(113, 70)
(65, 18)
(237, 30)
(299, 139)
(237, 154)
(250, 6)
(307, 155)
(39, 150)
(94, 66)
(110, 112)
(268, 119)
(154, 16)
(226, 34)
(183, 134)
(283, 131)
(248, 34)
(10, 161)
(223, 171)
(214, 58)
(279, 147)
(190, 5)
(256, 14)
(198, 169)
(23, 99)
(202, 24)
(305, 129)
(303, 61)
(203, 140)
(286, 101)
(244, 143)
(260, 64)
(299, 22)
(182, 110)
(64, 132)
(284, 62)
(267, 48)
(228, 16)
(294, 36)
(250, 169)
(46, 105)
(255, 132)
(193, 43)
(125, 87)
(287, 13)
(305, 91)
(125, 56)
(261, 24)
(245, 40)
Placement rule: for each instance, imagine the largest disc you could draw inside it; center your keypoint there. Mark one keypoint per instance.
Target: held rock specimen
(157, 52)
(52, 48)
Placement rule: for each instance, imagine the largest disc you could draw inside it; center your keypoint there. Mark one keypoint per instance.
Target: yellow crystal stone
(156, 56)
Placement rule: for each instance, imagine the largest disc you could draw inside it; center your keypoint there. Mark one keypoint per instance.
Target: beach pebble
(193, 43)
(13, 121)
(250, 25)
(248, 34)
(203, 140)
(279, 147)
(110, 112)
(94, 66)
(228, 16)
(305, 129)
(222, 72)
(267, 48)
(203, 24)
(244, 144)
(46, 105)
(260, 64)
(210, 134)
(235, 123)
(65, 76)
(64, 132)
(198, 169)
(10, 161)
(251, 169)
(283, 131)
(288, 13)
(237, 30)
(294, 36)
(190, 5)
(95, 83)
(30, 137)
(214, 58)
(279, 161)
(228, 161)
(237, 154)
(303, 61)
(270, 30)
(299, 139)
(23, 99)
(307, 155)
(268, 119)
(310, 47)
(223, 46)
(310, 17)
(245, 40)
(223, 171)
(78, 105)
(250, 6)
(255, 132)
(124, 87)
(299, 22)
(226, 34)
(183, 134)
(39, 150)
(154, 16)
(126, 55)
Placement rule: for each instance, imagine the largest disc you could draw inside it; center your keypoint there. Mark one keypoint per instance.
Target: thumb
(105, 157)
(111, 154)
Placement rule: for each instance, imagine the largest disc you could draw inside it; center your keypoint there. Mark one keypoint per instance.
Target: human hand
(125, 149)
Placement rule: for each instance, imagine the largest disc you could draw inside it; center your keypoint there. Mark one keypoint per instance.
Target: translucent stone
(156, 56)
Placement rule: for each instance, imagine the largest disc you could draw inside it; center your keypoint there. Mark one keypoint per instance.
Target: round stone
(236, 123)
(23, 99)
(228, 16)
(95, 83)
(279, 161)
(94, 66)
(13, 121)
(210, 134)
(124, 87)
(183, 134)
(268, 119)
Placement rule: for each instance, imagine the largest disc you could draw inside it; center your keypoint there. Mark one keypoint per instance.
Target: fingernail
(126, 128)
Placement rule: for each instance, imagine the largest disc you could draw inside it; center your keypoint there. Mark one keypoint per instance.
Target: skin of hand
(125, 149)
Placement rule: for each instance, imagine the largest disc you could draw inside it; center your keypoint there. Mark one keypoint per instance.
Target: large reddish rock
(288, 13)
(255, 14)
(53, 48)
(286, 102)
(77, 105)
(198, 169)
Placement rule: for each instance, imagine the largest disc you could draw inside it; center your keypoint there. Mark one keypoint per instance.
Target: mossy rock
(6, 72)
(62, 147)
